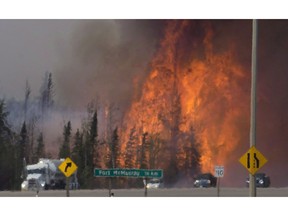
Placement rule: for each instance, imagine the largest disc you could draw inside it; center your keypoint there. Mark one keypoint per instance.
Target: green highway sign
(134, 173)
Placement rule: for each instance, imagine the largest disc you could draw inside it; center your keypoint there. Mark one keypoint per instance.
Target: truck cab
(45, 175)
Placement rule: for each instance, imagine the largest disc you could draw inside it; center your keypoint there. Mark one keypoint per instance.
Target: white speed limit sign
(219, 171)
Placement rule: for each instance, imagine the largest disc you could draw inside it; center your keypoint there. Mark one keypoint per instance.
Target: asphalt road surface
(171, 192)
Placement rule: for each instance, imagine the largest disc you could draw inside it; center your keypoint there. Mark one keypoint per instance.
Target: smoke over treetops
(107, 59)
(112, 59)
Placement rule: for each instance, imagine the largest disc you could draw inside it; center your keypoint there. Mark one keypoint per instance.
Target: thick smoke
(50, 125)
(109, 57)
(106, 60)
(272, 96)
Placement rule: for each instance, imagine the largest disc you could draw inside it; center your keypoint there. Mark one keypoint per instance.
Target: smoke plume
(106, 60)
(111, 59)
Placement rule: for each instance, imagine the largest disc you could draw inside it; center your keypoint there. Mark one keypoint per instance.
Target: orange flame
(211, 97)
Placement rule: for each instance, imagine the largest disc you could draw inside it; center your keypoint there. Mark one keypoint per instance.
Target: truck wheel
(46, 187)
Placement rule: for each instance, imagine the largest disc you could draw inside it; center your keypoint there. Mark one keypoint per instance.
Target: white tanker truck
(45, 175)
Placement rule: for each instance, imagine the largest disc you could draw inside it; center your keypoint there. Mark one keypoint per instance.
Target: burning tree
(191, 99)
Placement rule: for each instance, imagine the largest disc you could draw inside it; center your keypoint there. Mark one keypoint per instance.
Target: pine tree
(91, 149)
(116, 148)
(65, 148)
(24, 144)
(130, 149)
(47, 93)
(77, 156)
(31, 130)
(40, 149)
(9, 168)
(50, 91)
(5, 131)
(112, 156)
(189, 156)
(155, 148)
(144, 152)
(27, 96)
(130, 156)
(93, 141)
(77, 150)
(94, 128)
(194, 153)
(175, 113)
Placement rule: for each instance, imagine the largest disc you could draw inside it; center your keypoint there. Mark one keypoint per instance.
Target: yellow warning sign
(253, 160)
(68, 167)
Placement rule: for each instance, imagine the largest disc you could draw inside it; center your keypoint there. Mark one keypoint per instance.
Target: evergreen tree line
(178, 156)
(142, 151)
(88, 151)
(17, 145)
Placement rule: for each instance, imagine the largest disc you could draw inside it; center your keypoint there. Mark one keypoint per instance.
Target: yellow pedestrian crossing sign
(253, 160)
(68, 167)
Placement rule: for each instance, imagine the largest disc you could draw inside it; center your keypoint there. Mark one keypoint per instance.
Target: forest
(101, 141)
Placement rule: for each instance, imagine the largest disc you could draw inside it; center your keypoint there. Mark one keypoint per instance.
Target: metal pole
(145, 192)
(218, 187)
(109, 187)
(38, 188)
(252, 188)
(67, 186)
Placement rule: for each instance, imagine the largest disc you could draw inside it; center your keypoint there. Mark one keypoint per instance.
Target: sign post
(219, 173)
(67, 186)
(67, 167)
(252, 188)
(109, 186)
(252, 160)
(145, 192)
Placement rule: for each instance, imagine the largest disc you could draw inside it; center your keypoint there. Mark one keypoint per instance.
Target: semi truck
(45, 175)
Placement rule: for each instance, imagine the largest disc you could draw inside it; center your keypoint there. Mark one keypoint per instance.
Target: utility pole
(252, 187)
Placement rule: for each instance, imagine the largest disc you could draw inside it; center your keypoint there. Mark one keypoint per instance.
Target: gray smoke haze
(106, 55)
(100, 58)
(104, 58)
(29, 48)
(272, 95)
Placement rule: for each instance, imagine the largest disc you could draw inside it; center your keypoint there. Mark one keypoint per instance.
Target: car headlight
(42, 184)
(24, 185)
(261, 181)
(208, 181)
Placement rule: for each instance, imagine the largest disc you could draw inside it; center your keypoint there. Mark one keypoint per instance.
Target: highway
(172, 201)
(165, 192)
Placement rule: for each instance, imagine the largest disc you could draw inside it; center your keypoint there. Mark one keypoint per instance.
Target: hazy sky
(86, 57)
(29, 48)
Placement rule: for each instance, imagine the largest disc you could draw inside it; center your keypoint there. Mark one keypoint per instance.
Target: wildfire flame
(193, 85)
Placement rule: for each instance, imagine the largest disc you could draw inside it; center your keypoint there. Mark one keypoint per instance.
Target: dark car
(262, 180)
(205, 180)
